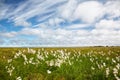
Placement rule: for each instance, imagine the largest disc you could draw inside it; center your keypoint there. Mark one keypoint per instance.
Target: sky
(59, 23)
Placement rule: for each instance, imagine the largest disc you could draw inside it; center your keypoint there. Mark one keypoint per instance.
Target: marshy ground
(83, 63)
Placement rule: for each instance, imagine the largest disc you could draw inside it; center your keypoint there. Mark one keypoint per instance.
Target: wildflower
(115, 71)
(17, 54)
(104, 64)
(91, 59)
(6, 67)
(9, 60)
(51, 63)
(31, 59)
(107, 72)
(113, 61)
(69, 62)
(40, 56)
(24, 56)
(117, 78)
(31, 51)
(10, 70)
(118, 66)
(19, 78)
(48, 71)
(58, 62)
(13, 67)
(92, 68)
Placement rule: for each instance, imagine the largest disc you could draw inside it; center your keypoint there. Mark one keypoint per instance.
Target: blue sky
(59, 23)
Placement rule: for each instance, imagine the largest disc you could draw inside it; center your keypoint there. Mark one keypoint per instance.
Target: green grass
(84, 63)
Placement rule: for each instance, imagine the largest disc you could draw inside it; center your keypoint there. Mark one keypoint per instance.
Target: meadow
(82, 63)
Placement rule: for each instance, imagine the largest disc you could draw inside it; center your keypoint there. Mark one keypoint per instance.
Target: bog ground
(84, 63)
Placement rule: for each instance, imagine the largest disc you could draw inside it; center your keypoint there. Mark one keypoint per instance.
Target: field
(84, 63)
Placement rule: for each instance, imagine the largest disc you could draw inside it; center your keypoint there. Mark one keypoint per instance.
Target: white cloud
(112, 9)
(77, 26)
(108, 24)
(66, 11)
(63, 37)
(8, 34)
(106, 32)
(55, 21)
(29, 9)
(49, 32)
(21, 22)
(52, 37)
(86, 11)
(30, 31)
(3, 10)
(89, 11)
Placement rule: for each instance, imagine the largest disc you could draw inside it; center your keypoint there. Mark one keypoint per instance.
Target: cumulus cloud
(108, 24)
(89, 11)
(62, 37)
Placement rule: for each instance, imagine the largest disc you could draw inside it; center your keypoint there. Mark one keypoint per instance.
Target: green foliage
(90, 63)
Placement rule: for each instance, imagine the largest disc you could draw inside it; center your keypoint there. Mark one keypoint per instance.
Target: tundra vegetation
(84, 63)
